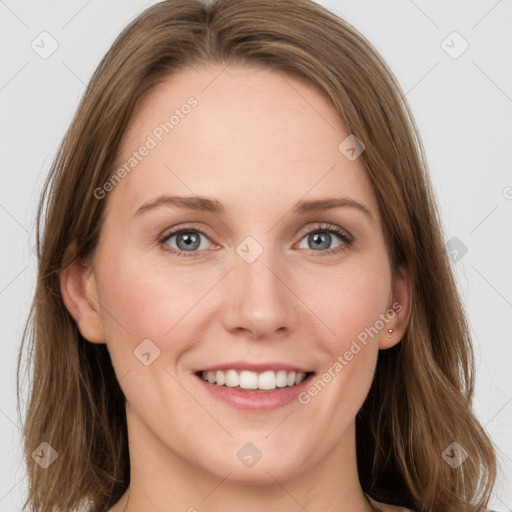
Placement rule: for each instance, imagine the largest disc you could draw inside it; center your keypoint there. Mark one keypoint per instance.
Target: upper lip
(254, 367)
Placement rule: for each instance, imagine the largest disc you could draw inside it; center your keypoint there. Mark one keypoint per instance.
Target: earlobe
(78, 289)
(400, 310)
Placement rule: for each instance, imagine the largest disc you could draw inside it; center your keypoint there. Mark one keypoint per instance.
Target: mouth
(251, 381)
(252, 385)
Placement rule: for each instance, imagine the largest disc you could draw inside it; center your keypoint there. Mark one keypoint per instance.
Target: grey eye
(186, 240)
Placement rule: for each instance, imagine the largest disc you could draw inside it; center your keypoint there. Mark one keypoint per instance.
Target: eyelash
(320, 228)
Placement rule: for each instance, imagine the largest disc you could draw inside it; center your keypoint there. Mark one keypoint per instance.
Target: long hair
(420, 401)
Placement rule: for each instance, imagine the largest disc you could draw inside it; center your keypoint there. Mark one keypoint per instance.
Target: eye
(187, 240)
(320, 238)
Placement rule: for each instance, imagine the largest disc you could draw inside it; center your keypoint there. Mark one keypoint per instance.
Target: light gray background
(463, 107)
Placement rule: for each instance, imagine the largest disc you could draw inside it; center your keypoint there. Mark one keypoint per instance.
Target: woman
(243, 299)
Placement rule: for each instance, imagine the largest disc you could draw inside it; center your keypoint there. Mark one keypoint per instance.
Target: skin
(257, 141)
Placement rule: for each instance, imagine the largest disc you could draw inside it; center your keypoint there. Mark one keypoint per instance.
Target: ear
(399, 310)
(78, 289)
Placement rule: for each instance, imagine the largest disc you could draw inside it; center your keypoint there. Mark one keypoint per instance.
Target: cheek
(148, 299)
(349, 298)
(351, 304)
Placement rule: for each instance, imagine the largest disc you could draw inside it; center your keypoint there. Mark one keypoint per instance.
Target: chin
(247, 464)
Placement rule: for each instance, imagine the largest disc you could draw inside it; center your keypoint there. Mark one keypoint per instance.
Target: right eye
(187, 240)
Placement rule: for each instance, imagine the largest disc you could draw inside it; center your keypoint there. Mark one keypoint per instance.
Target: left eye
(318, 238)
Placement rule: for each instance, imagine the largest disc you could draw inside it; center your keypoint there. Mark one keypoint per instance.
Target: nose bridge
(257, 269)
(259, 300)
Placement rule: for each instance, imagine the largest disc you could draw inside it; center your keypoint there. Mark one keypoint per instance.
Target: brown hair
(421, 397)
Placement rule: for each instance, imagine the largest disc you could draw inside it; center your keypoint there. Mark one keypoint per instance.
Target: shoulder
(383, 507)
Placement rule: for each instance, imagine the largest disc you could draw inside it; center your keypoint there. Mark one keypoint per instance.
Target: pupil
(189, 240)
(316, 238)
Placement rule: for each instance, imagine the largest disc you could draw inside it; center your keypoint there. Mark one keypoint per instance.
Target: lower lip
(256, 400)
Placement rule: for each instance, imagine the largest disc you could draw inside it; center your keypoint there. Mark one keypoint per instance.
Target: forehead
(237, 132)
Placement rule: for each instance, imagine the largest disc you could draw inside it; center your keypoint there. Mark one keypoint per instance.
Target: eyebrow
(216, 207)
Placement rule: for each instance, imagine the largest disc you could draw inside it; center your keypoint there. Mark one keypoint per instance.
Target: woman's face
(251, 290)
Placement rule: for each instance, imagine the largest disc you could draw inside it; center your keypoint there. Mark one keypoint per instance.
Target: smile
(249, 380)
(262, 390)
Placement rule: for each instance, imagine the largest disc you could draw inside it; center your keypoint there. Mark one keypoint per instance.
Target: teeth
(248, 380)
(281, 379)
(267, 380)
(232, 379)
(220, 378)
(251, 380)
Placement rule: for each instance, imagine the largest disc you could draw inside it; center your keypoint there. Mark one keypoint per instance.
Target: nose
(259, 299)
